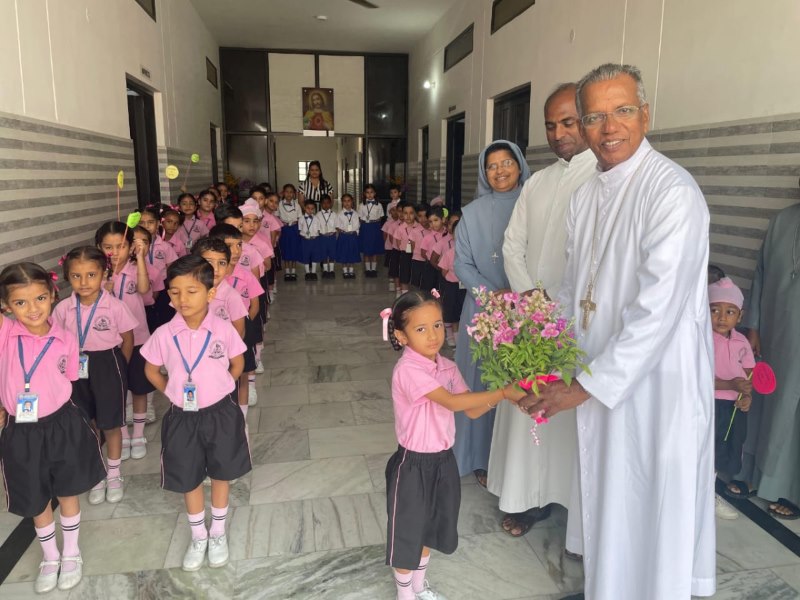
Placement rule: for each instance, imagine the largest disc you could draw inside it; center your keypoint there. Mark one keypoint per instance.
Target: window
(302, 170)
(505, 11)
(211, 72)
(459, 48)
(149, 7)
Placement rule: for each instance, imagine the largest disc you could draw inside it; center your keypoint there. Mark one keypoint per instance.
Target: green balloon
(195, 158)
(133, 219)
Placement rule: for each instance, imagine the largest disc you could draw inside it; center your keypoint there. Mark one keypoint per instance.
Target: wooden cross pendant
(588, 308)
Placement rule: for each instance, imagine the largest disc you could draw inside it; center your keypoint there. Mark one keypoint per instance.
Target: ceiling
(291, 24)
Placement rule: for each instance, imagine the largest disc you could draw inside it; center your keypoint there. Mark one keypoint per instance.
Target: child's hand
(513, 393)
(743, 403)
(139, 248)
(742, 385)
(2, 417)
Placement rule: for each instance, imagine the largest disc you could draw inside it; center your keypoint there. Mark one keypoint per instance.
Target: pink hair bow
(435, 293)
(53, 276)
(385, 314)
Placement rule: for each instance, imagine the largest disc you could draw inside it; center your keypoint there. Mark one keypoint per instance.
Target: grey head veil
(484, 189)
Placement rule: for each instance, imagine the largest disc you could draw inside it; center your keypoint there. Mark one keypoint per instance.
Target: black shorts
(211, 442)
(416, 272)
(277, 262)
(253, 334)
(394, 263)
(59, 456)
(137, 382)
(423, 497)
(404, 268)
(429, 278)
(728, 454)
(102, 396)
(452, 300)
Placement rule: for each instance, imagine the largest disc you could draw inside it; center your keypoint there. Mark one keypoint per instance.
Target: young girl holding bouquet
(423, 488)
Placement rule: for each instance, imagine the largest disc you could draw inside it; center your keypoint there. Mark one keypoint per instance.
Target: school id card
(190, 397)
(409, 248)
(27, 407)
(83, 366)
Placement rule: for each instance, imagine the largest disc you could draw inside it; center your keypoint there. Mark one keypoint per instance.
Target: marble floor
(309, 522)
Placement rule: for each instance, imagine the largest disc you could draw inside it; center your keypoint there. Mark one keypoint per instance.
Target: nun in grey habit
(479, 262)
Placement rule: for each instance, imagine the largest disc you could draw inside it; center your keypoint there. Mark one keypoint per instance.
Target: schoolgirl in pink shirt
(436, 232)
(227, 302)
(206, 204)
(203, 433)
(160, 255)
(103, 326)
(130, 282)
(388, 229)
(422, 484)
(271, 229)
(171, 220)
(453, 293)
(191, 228)
(47, 446)
(404, 245)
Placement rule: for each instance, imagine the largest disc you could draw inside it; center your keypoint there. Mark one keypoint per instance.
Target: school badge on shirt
(221, 313)
(130, 288)
(101, 324)
(216, 350)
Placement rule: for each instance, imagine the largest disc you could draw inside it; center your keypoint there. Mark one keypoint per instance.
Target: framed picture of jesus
(318, 109)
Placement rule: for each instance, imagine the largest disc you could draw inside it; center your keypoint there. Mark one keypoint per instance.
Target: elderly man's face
(614, 140)
(562, 125)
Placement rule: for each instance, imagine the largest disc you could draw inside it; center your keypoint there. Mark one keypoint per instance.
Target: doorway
(511, 115)
(424, 175)
(455, 154)
(214, 163)
(142, 123)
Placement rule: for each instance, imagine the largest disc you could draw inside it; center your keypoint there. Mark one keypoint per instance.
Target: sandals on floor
(785, 504)
(525, 520)
(744, 490)
(481, 476)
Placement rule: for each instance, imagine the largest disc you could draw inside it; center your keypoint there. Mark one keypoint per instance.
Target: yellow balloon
(195, 158)
(171, 172)
(120, 179)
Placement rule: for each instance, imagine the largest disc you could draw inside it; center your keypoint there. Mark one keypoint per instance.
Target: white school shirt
(326, 222)
(289, 213)
(348, 222)
(370, 211)
(308, 227)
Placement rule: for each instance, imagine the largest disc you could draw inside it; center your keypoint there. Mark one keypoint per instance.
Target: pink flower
(550, 331)
(538, 317)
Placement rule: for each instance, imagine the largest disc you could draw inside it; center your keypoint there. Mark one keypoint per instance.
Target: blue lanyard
(84, 331)
(29, 374)
(190, 230)
(235, 281)
(150, 254)
(199, 356)
(121, 287)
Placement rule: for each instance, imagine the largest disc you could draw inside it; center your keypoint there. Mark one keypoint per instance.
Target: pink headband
(385, 314)
(725, 290)
(250, 207)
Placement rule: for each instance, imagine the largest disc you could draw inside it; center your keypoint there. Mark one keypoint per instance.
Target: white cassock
(522, 474)
(645, 437)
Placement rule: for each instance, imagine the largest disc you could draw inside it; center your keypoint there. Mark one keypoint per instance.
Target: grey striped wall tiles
(199, 175)
(748, 171)
(57, 185)
(413, 182)
(469, 178)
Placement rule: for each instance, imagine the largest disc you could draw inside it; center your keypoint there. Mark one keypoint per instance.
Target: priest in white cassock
(637, 250)
(527, 478)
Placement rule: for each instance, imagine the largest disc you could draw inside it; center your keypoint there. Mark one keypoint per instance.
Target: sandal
(741, 485)
(524, 521)
(481, 476)
(784, 503)
(573, 555)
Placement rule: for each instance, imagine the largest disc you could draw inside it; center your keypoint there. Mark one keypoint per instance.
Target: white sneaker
(46, 583)
(97, 494)
(725, 510)
(195, 555)
(114, 494)
(218, 551)
(138, 448)
(259, 368)
(252, 395)
(151, 411)
(126, 449)
(68, 580)
(428, 594)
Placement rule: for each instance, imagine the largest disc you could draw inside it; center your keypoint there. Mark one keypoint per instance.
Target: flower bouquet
(523, 338)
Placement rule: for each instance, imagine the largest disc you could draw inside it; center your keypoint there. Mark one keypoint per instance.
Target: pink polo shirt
(418, 235)
(52, 379)
(271, 222)
(251, 258)
(208, 221)
(227, 303)
(160, 255)
(403, 233)
(422, 425)
(177, 245)
(111, 319)
(125, 289)
(192, 229)
(440, 245)
(447, 262)
(244, 282)
(211, 375)
(388, 228)
(731, 357)
(263, 244)
(429, 241)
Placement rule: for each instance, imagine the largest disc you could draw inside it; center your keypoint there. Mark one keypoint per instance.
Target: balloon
(171, 172)
(133, 220)
(120, 179)
(764, 381)
(195, 158)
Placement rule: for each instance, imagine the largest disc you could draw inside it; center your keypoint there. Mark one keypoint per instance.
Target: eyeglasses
(623, 113)
(503, 163)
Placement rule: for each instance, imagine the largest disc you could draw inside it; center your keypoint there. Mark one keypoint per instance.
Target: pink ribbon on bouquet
(538, 418)
(385, 314)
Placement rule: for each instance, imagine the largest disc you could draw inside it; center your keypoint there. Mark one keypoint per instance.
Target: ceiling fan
(365, 3)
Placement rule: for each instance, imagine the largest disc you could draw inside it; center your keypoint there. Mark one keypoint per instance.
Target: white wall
(702, 62)
(66, 62)
(290, 149)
